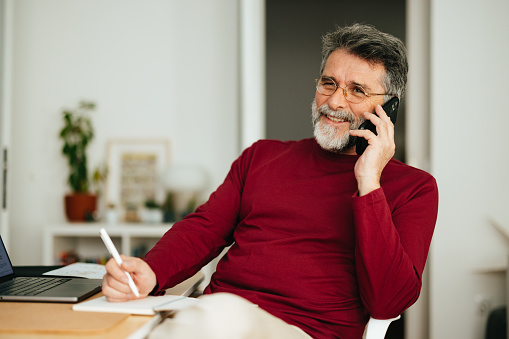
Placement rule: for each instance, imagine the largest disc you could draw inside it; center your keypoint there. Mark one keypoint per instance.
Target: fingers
(131, 264)
(384, 124)
(382, 114)
(115, 271)
(382, 121)
(384, 128)
(116, 291)
(141, 273)
(115, 282)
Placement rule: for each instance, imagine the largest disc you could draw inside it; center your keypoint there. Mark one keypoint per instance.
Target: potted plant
(152, 212)
(76, 134)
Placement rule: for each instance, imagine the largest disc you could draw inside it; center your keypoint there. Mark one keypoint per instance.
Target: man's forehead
(346, 68)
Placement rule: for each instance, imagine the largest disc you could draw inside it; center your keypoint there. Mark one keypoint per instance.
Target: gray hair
(370, 44)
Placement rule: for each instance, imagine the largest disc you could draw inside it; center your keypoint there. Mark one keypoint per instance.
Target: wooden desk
(53, 320)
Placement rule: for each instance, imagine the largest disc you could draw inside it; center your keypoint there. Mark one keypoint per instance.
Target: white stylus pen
(114, 253)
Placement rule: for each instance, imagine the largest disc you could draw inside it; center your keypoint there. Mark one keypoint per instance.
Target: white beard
(329, 137)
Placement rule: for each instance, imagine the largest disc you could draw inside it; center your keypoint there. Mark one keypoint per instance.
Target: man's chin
(336, 146)
(333, 139)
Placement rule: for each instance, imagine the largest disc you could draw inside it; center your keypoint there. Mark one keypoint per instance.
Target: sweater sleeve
(392, 247)
(201, 236)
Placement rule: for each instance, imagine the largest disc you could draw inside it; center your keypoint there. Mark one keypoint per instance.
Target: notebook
(147, 306)
(61, 289)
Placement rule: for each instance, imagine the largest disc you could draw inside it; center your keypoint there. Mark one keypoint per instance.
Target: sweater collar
(331, 156)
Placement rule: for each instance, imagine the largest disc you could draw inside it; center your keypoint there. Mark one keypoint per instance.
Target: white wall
(135, 57)
(470, 115)
(156, 68)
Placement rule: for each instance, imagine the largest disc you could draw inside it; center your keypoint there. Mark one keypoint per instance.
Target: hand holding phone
(391, 109)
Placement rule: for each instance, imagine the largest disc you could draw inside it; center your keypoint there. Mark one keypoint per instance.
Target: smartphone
(391, 108)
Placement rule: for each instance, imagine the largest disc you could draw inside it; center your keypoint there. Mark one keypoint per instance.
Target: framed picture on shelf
(135, 167)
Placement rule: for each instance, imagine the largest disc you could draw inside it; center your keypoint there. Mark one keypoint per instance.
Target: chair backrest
(376, 328)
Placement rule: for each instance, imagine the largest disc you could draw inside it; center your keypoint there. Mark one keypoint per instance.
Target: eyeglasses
(353, 93)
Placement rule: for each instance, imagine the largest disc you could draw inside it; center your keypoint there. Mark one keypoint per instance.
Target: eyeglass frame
(345, 94)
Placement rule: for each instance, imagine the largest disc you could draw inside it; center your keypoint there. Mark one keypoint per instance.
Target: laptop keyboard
(29, 286)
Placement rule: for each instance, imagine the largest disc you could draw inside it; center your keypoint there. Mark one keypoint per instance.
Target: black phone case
(391, 108)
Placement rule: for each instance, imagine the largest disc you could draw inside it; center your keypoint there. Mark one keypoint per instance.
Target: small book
(149, 305)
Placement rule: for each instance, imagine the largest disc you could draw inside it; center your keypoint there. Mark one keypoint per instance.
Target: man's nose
(337, 100)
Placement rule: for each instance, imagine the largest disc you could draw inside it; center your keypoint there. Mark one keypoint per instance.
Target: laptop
(42, 289)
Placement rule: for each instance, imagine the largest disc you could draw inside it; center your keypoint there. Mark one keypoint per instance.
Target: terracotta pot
(80, 206)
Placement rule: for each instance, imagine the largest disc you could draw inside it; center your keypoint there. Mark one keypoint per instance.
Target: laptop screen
(5, 263)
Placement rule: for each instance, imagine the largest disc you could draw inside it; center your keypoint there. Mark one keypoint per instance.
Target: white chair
(376, 328)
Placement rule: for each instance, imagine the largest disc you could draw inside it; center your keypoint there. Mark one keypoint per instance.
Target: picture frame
(135, 167)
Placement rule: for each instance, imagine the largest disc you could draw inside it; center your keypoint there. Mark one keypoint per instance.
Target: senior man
(322, 238)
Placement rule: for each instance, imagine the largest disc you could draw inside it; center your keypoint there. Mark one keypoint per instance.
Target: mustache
(318, 112)
(344, 115)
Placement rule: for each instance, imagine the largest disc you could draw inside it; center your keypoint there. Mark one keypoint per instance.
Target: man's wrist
(367, 188)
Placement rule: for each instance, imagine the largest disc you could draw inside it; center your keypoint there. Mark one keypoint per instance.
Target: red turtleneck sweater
(306, 248)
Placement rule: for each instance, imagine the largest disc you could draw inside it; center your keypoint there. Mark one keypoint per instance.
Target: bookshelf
(83, 239)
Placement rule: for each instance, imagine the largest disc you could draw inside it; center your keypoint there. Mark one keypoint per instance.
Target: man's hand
(115, 286)
(381, 148)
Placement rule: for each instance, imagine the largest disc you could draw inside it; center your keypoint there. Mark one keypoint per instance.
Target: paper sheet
(146, 306)
(81, 270)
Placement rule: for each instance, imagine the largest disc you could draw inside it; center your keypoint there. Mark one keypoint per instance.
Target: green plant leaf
(76, 134)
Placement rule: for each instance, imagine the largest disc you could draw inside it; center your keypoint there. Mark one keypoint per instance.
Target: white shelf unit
(84, 239)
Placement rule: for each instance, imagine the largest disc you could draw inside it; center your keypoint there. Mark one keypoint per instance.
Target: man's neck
(350, 151)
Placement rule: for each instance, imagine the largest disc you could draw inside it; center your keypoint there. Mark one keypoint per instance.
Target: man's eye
(328, 83)
(358, 90)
